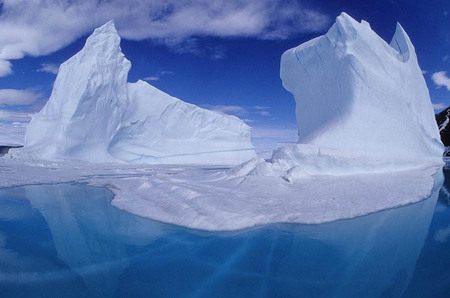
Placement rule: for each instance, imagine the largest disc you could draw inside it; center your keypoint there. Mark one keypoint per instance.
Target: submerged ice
(93, 114)
(61, 241)
(207, 198)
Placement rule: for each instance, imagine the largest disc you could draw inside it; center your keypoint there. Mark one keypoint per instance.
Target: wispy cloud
(261, 108)
(151, 78)
(16, 110)
(15, 116)
(266, 139)
(40, 27)
(195, 47)
(439, 106)
(49, 68)
(248, 121)
(11, 97)
(12, 133)
(264, 113)
(157, 76)
(441, 80)
(227, 109)
(240, 111)
(217, 52)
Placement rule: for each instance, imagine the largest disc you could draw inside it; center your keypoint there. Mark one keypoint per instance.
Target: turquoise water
(65, 240)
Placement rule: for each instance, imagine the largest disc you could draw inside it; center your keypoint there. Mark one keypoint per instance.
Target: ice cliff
(93, 114)
(362, 105)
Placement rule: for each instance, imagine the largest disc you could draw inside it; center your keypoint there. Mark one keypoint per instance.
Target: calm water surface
(66, 240)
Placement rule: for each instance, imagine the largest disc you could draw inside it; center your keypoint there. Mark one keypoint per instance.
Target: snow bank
(93, 114)
(362, 105)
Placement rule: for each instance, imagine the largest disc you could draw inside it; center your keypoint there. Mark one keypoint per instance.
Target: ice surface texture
(93, 114)
(362, 105)
(208, 198)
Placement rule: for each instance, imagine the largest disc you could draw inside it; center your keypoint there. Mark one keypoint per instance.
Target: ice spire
(401, 42)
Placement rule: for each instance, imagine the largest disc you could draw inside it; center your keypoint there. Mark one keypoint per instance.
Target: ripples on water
(66, 240)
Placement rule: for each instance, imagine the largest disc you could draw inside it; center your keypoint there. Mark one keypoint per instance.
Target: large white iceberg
(375, 147)
(362, 105)
(93, 114)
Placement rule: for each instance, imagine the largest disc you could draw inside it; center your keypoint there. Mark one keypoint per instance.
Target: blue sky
(222, 55)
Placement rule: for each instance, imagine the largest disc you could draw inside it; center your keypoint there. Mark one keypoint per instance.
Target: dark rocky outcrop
(443, 121)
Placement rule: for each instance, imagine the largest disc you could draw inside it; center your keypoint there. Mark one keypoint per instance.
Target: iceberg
(171, 131)
(95, 115)
(367, 140)
(207, 198)
(362, 106)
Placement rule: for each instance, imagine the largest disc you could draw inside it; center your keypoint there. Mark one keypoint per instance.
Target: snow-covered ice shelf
(209, 198)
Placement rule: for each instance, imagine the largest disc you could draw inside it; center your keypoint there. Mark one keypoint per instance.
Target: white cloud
(227, 109)
(12, 134)
(151, 78)
(166, 72)
(264, 113)
(49, 67)
(441, 80)
(13, 123)
(247, 120)
(15, 116)
(217, 52)
(240, 110)
(5, 68)
(158, 75)
(40, 27)
(17, 97)
(439, 106)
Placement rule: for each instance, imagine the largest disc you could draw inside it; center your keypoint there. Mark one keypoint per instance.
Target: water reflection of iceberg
(116, 253)
(370, 256)
(89, 235)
